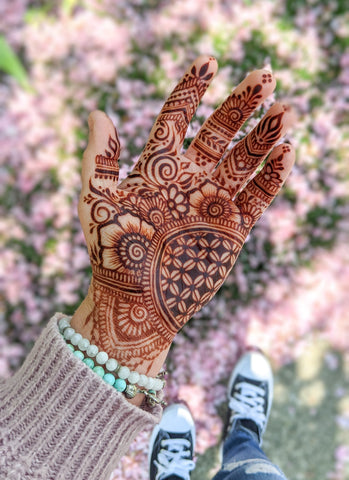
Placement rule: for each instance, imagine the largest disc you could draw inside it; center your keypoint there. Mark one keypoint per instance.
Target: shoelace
(249, 403)
(172, 459)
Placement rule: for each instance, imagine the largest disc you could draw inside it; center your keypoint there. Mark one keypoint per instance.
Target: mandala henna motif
(163, 241)
(161, 258)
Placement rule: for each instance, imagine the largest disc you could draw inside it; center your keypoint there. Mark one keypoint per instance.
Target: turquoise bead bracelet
(116, 374)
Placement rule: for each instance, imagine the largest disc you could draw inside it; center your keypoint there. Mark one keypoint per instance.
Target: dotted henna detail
(164, 240)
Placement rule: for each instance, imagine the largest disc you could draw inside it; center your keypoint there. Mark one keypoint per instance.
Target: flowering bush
(67, 58)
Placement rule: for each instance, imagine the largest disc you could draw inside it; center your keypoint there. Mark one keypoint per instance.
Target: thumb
(100, 159)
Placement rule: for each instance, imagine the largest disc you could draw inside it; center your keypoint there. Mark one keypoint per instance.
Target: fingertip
(97, 118)
(282, 158)
(100, 129)
(264, 79)
(289, 154)
(205, 66)
(289, 114)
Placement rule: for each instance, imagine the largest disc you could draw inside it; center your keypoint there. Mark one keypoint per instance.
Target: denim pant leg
(243, 459)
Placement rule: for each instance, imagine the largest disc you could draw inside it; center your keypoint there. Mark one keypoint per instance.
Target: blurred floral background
(288, 293)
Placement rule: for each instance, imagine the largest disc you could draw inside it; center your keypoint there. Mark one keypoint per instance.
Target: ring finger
(238, 166)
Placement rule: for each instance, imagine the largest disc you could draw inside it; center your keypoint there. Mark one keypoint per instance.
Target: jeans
(243, 459)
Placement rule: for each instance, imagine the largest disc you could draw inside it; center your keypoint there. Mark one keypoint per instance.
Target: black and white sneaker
(250, 395)
(172, 444)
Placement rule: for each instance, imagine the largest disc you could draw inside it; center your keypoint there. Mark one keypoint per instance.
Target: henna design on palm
(163, 241)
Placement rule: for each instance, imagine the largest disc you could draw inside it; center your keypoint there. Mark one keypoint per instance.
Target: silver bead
(131, 391)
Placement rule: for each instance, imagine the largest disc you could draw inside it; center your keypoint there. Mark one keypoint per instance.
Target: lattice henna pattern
(167, 254)
(163, 241)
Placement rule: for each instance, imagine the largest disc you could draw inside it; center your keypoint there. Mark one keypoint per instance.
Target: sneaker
(172, 443)
(250, 395)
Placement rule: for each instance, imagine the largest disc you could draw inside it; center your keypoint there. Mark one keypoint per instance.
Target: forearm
(58, 419)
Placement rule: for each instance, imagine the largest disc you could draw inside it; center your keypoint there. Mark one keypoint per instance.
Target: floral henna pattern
(160, 258)
(163, 241)
(160, 163)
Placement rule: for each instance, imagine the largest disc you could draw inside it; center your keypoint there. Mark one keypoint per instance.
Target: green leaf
(11, 64)
(68, 6)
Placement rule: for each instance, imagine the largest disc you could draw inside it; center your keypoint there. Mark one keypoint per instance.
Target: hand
(163, 241)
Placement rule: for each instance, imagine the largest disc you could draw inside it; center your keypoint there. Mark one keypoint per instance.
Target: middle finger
(219, 129)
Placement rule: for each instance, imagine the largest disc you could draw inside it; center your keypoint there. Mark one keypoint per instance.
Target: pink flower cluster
(124, 57)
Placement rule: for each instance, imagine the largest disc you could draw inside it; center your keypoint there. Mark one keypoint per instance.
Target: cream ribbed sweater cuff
(59, 420)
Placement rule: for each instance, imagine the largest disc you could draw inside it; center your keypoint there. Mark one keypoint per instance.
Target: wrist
(133, 385)
(83, 321)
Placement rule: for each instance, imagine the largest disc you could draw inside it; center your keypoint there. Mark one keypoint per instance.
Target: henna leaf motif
(163, 240)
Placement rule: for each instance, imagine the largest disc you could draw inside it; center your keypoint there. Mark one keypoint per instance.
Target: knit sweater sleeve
(59, 420)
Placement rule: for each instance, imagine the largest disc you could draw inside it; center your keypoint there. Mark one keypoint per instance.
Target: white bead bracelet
(109, 369)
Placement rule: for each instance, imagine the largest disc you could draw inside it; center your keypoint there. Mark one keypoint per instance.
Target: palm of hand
(163, 241)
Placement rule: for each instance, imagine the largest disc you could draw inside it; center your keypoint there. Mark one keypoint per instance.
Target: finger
(237, 167)
(263, 188)
(99, 163)
(168, 132)
(219, 129)
(100, 159)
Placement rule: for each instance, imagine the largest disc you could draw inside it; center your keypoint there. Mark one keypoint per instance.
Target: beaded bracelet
(87, 352)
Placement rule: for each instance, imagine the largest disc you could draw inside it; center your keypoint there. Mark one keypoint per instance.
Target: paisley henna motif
(245, 157)
(163, 241)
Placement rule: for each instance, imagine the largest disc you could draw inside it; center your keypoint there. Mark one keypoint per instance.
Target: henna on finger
(163, 241)
(238, 166)
(219, 129)
(263, 188)
(160, 161)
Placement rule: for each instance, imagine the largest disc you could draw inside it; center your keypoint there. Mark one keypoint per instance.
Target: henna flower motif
(212, 201)
(270, 179)
(125, 244)
(173, 252)
(176, 201)
(250, 215)
(155, 210)
(133, 319)
(251, 211)
(232, 109)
